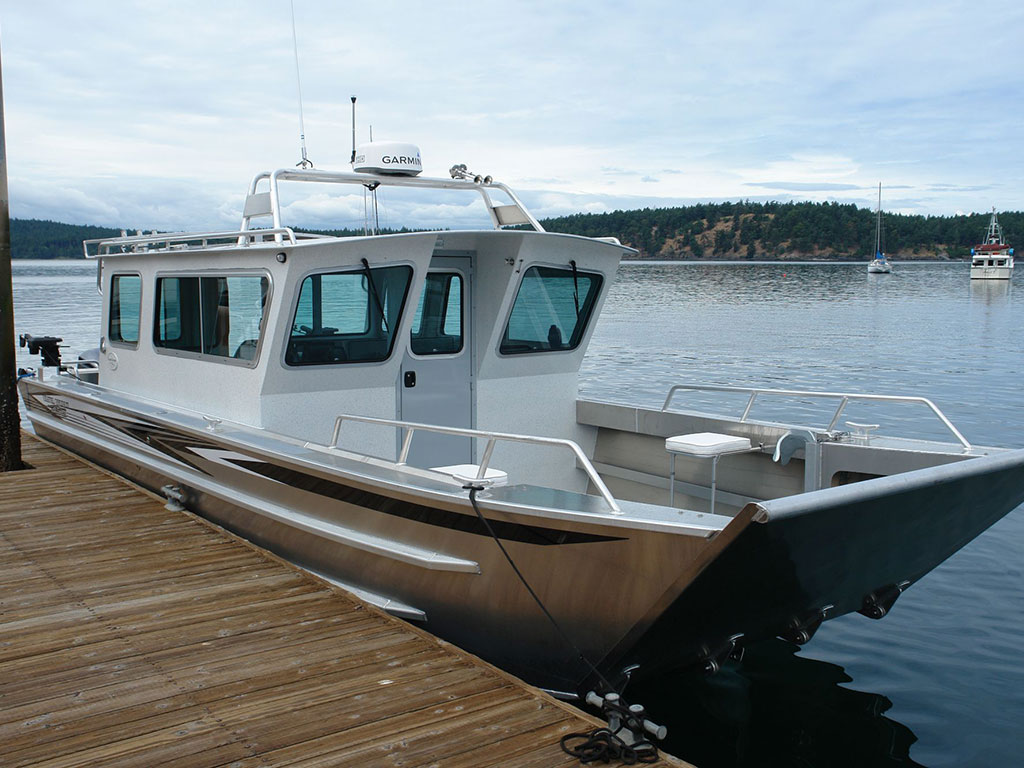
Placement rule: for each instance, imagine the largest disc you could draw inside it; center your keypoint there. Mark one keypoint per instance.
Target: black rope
(604, 745)
(472, 500)
(601, 743)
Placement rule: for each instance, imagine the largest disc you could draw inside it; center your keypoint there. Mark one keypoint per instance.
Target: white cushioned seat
(706, 444)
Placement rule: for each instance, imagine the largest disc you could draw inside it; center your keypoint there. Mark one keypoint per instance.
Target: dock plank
(131, 635)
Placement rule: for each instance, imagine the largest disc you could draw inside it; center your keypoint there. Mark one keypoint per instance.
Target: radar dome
(391, 158)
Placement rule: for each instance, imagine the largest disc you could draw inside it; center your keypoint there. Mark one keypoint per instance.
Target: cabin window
(437, 325)
(218, 316)
(125, 307)
(551, 310)
(348, 317)
(1001, 263)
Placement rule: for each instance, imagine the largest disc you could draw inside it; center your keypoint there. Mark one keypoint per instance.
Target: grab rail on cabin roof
(130, 244)
(258, 204)
(843, 397)
(491, 437)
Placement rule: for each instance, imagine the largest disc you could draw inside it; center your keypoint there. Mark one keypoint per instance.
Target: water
(938, 682)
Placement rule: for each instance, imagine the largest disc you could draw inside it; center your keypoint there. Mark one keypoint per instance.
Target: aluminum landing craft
(330, 398)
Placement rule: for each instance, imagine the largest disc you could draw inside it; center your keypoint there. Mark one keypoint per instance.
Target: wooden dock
(135, 636)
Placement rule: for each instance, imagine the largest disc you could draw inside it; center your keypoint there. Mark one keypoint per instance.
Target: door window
(437, 326)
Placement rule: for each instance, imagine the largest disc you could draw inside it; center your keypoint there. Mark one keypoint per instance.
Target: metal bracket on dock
(628, 722)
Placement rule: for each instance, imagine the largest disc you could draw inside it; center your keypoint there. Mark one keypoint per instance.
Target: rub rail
(491, 438)
(843, 397)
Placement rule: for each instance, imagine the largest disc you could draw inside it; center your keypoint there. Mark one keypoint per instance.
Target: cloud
(957, 188)
(795, 186)
(134, 114)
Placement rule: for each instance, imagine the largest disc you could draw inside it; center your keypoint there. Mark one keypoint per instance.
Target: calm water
(938, 682)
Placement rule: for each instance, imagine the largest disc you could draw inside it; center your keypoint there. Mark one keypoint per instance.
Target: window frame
(213, 273)
(356, 268)
(110, 310)
(587, 329)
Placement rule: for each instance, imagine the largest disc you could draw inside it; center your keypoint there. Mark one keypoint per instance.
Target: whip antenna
(305, 162)
(353, 160)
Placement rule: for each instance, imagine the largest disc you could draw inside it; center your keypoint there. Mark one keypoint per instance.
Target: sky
(157, 114)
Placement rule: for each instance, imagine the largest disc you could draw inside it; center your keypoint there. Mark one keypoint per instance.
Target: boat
(398, 413)
(879, 265)
(993, 259)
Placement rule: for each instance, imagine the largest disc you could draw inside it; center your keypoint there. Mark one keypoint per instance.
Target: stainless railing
(843, 397)
(115, 246)
(271, 206)
(491, 438)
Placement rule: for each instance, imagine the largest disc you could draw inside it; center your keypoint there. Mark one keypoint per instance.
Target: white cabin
(284, 331)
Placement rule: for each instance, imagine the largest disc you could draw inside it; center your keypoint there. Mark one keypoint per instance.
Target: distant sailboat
(879, 265)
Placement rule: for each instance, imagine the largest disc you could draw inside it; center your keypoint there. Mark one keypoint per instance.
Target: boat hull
(433, 559)
(991, 273)
(625, 595)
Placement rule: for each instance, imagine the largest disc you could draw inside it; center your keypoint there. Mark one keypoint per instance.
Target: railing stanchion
(486, 459)
(403, 457)
(838, 413)
(750, 404)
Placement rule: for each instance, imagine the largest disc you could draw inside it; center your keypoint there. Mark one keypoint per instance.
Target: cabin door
(436, 385)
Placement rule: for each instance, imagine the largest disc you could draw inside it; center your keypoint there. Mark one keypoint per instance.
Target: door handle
(410, 378)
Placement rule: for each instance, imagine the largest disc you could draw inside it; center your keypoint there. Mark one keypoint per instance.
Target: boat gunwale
(352, 467)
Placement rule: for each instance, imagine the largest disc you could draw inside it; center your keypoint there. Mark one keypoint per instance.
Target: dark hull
(824, 554)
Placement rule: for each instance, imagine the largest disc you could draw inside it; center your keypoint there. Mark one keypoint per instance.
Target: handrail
(843, 397)
(130, 243)
(491, 437)
(373, 181)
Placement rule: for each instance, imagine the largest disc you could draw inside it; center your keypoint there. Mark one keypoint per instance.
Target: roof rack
(268, 203)
(106, 247)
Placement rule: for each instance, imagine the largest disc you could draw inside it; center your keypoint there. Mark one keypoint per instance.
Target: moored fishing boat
(331, 399)
(992, 259)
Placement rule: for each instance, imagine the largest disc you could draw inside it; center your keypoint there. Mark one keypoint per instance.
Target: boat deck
(131, 635)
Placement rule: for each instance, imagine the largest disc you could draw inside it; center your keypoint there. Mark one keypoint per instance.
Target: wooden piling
(10, 435)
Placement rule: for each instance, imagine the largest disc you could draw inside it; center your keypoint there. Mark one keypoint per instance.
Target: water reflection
(775, 708)
(990, 291)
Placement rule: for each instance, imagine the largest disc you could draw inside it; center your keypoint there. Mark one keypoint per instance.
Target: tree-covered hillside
(786, 231)
(741, 230)
(35, 239)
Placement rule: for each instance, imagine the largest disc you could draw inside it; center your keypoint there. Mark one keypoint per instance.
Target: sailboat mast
(878, 223)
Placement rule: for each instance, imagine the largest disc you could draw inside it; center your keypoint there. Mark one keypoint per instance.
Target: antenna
(353, 160)
(373, 195)
(305, 162)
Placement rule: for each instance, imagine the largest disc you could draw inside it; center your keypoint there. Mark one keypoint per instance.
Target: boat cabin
(284, 331)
